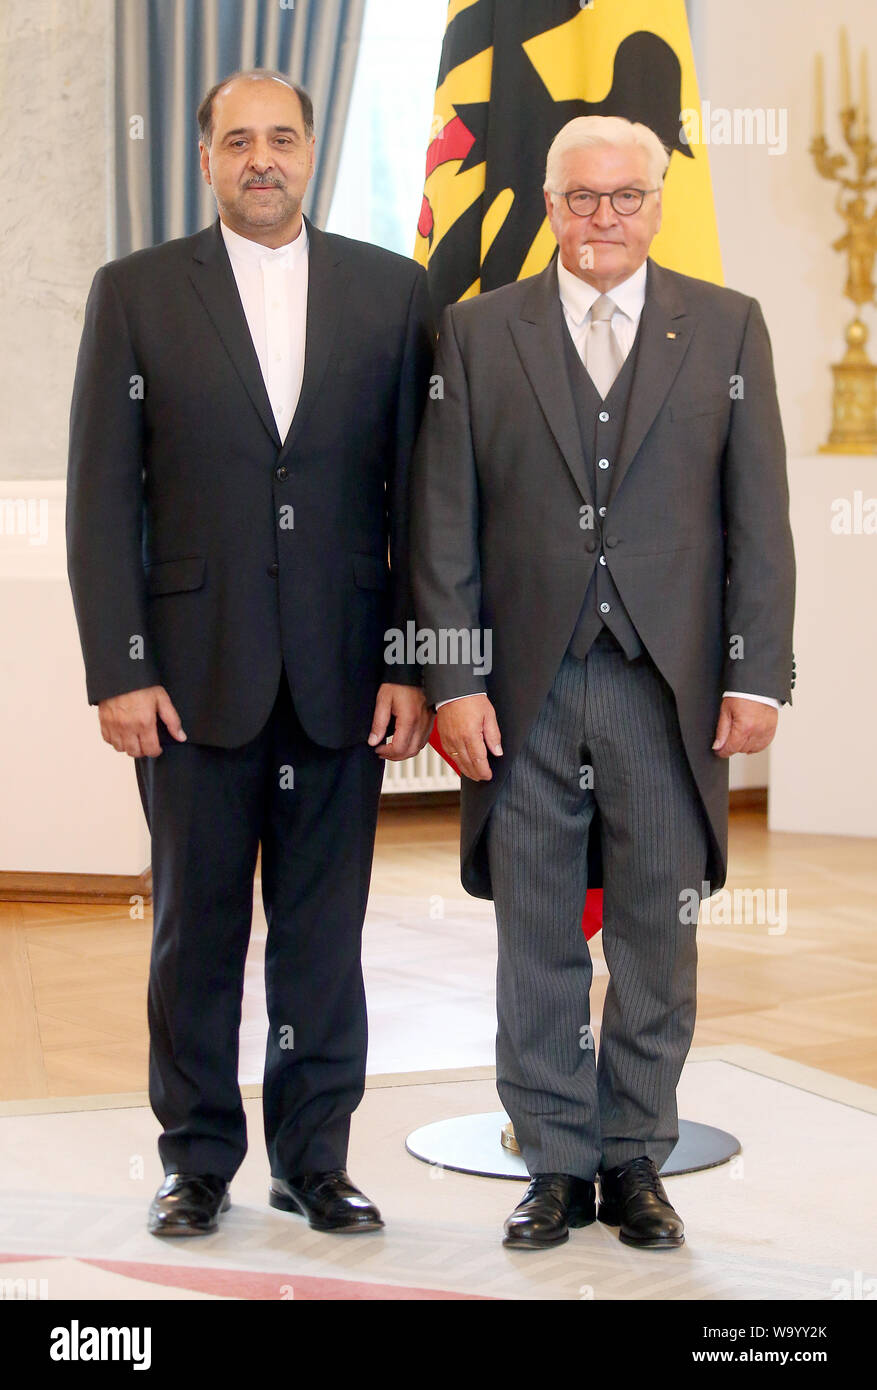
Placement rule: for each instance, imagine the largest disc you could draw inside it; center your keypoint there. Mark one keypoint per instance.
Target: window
(380, 177)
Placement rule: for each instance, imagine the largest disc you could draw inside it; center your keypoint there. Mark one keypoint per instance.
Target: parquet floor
(72, 978)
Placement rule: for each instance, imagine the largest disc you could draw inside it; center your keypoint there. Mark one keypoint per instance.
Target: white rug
(792, 1217)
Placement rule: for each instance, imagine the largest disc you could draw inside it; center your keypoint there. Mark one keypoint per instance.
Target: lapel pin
(671, 335)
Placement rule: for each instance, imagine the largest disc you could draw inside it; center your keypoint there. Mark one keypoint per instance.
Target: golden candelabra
(854, 405)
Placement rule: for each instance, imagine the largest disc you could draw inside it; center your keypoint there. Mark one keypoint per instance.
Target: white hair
(585, 132)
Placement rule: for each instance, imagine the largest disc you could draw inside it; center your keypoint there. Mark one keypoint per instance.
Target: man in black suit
(244, 410)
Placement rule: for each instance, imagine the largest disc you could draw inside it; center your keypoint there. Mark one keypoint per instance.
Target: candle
(818, 102)
(845, 100)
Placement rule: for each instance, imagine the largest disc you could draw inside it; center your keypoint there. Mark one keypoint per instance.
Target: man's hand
(468, 728)
(745, 726)
(407, 705)
(128, 721)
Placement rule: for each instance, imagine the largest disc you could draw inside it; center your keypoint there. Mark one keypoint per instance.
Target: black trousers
(314, 811)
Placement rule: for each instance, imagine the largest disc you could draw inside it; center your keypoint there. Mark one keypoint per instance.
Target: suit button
(604, 416)
(602, 559)
(602, 463)
(602, 511)
(281, 473)
(611, 541)
(273, 570)
(590, 544)
(604, 607)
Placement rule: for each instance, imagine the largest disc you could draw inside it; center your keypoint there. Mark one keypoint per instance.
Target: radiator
(425, 773)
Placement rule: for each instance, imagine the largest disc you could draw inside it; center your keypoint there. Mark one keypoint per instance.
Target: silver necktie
(603, 356)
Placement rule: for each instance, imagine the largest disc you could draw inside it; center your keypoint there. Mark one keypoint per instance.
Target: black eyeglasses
(582, 202)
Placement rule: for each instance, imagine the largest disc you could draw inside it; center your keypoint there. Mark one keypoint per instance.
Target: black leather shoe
(188, 1204)
(552, 1204)
(328, 1200)
(632, 1197)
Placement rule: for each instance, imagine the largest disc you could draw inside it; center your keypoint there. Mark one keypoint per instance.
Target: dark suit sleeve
(413, 389)
(760, 561)
(446, 563)
(105, 502)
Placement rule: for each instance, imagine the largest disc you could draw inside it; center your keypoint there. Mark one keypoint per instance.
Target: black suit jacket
(187, 566)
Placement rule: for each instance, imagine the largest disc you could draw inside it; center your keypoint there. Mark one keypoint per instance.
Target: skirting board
(75, 888)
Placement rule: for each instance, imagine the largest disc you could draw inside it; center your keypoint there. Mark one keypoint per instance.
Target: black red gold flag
(512, 73)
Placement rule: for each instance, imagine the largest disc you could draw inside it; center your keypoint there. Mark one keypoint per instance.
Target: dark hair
(205, 110)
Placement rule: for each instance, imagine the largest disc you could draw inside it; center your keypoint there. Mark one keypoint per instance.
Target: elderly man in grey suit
(603, 487)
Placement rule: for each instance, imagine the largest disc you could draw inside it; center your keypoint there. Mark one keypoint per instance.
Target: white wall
(824, 760)
(776, 224)
(68, 801)
(775, 213)
(53, 215)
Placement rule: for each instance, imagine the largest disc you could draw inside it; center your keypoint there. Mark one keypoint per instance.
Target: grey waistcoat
(602, 606)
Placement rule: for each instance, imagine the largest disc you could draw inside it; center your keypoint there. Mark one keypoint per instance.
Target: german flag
(512, 73)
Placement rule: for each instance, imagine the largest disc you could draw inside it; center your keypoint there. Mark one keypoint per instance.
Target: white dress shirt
(577, 297)
(273, 286)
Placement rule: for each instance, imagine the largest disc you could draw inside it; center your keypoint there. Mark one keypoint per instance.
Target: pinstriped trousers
(607, 737)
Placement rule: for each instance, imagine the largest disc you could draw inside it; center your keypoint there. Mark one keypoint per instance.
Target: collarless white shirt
(273, 286)
(577, 297)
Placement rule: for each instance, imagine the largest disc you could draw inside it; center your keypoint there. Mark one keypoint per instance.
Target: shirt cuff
(759, 699)
(439, 703)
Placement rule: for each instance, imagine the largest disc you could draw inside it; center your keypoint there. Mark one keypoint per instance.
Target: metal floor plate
(471, 1144)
